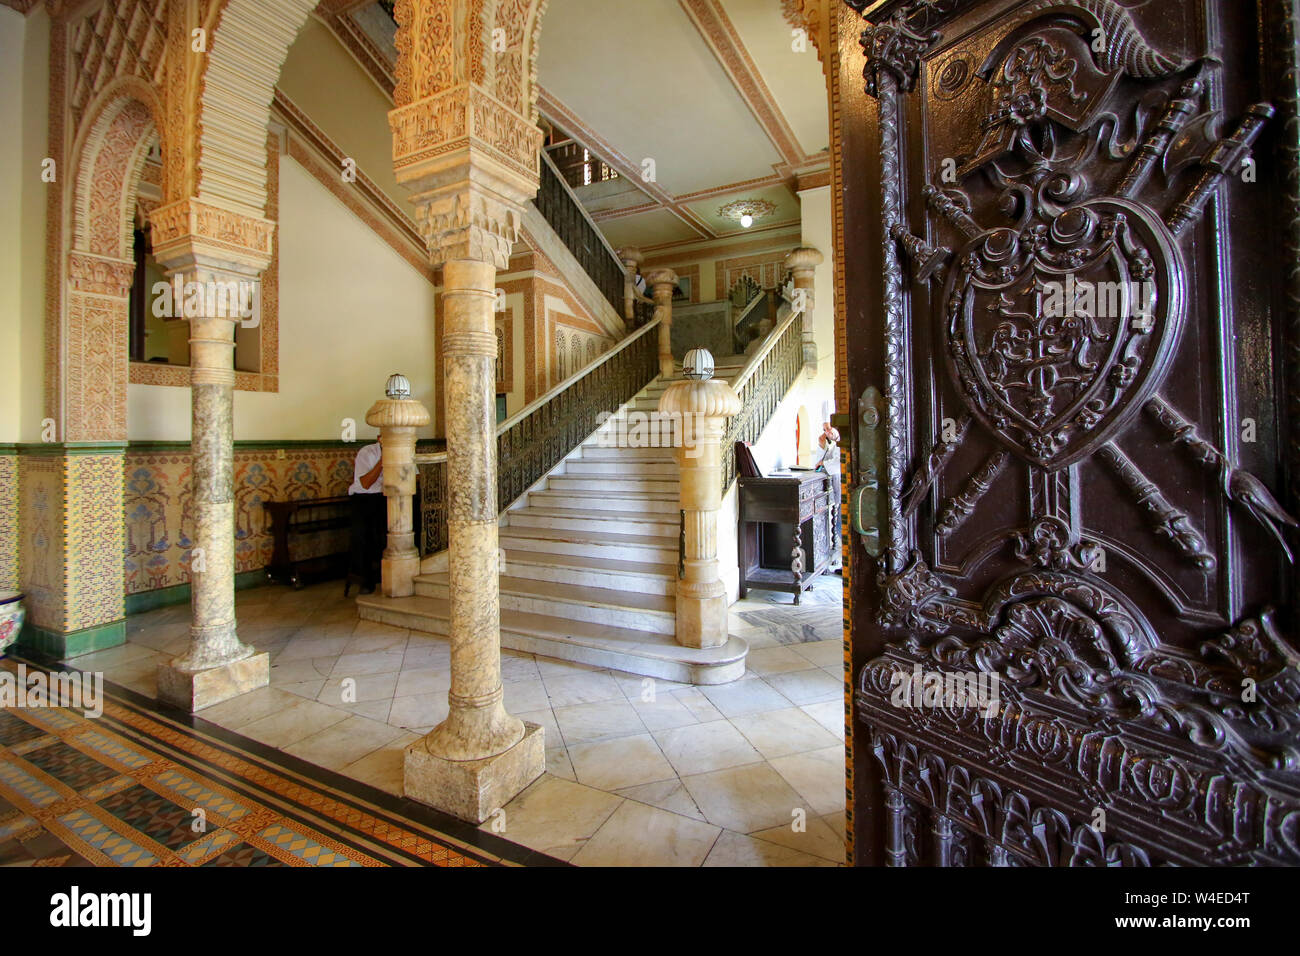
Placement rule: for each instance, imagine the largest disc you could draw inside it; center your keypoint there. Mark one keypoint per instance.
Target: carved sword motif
(1166, 520)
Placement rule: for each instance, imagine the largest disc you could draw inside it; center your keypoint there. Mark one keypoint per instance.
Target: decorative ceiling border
(337, 17)
(719, 33)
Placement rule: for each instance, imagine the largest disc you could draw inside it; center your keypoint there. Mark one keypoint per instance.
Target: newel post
(702, 405)
(397, 417)
(664, 281)
(802, 262)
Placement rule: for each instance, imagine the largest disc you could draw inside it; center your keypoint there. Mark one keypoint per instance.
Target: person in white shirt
(369, 517)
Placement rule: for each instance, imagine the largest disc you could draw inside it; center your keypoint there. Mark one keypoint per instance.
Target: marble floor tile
(372, 662)
(360, 689)
(555, 816)
(544, 718)
(558, 763)
(283, 729)
(830, 714)
(699, 748)
(670, 795)
(737, 849)
(817, 775)
(815, 838)
(640, 835)
(419, 713)
(620, 762)
(779, 733)
(305, 647)
(425, 680)
(744, 799)
(344, 742)
(766, 661)
(583, 723)
(383, 768)
(699, 706)
(295, 672)
(247, 708)
(823, 653)
(813, 686)
(525, 695)
(749, 695)
(665, 712)
(310, 689)
(569, 689)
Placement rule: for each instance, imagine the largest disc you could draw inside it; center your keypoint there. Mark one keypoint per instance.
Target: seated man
(369, 517)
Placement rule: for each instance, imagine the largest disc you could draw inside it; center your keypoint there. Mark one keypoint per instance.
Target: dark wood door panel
(1077, 221)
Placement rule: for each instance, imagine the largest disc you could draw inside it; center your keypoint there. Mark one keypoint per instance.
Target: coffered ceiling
(711, 97)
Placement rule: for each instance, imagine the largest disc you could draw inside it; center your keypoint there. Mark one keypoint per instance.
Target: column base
(398, 575)
(195, 690)
(473, 789)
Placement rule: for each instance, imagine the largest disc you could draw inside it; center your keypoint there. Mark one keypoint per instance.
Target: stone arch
(109, 155)
(246, 50)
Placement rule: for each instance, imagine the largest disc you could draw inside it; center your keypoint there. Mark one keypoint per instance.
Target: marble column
(217, 665)
(802, 262)
(480, 756)
(703, 404)
(663, 282)
(397, 416)
(631, 258)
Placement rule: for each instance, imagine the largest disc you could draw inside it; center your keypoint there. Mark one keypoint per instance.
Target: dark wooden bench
(291, 519)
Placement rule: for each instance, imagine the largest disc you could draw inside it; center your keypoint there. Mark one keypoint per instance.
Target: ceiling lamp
(746, 211)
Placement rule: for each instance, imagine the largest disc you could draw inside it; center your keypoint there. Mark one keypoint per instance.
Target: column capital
(470, 163)
(195, 234)
(398, 413)
(631, 257)
(803, 259)
(660, 277)
(713, 398)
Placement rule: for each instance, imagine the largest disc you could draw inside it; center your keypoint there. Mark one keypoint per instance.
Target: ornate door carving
(1078, 303)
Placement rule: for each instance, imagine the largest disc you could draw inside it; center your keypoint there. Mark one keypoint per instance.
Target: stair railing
(560, 207)
(538, 437)
(765, 380)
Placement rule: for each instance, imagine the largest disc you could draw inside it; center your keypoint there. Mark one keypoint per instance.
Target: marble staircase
(589, 563)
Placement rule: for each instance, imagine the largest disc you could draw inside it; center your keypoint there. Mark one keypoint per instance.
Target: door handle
(867, 455)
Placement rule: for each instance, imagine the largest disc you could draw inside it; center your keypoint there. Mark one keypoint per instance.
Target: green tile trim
(157, 447)
(54, 449)
(143, 601)
(62, 646)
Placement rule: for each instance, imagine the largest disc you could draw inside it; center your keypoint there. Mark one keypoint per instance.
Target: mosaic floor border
(139, 786)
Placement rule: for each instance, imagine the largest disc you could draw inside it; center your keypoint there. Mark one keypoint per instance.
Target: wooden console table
(786, 531)
(289, 519)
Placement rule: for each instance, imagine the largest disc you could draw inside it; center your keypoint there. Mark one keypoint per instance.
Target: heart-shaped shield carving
(1057, 334)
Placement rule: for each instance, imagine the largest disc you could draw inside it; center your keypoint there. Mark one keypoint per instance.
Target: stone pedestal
(704, 407)
(473, 789)
(663, 282)
(193, 690)
(397, 417)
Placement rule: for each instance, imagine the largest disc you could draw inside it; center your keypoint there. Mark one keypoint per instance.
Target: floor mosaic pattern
(134, 788)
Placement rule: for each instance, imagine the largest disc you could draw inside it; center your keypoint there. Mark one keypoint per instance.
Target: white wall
(775, 448)
(24, 76)
(352, 311)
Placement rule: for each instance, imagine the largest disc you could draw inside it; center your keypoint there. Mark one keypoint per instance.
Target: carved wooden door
(1072, 314)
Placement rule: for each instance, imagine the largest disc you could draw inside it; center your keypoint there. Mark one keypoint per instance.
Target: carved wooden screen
(1071, 303)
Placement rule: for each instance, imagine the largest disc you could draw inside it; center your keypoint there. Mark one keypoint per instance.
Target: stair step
(633, 651)
(595, 451)
(631, 483)
(655, 503)
(592, 572)
(634, 467)
(651, 549)
(573, 602)
(584, 519)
